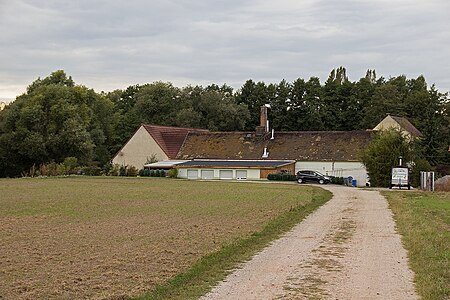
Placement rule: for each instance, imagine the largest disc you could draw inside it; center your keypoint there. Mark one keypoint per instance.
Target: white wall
(139, 148)
(251, 173)
(338, 169)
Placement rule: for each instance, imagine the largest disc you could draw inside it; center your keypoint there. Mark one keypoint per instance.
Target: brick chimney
(263, 122)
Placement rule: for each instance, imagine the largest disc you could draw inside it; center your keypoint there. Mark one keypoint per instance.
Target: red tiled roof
(299, 145)
(170, 139)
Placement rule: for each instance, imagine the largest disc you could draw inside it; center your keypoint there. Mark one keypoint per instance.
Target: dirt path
(348, 249)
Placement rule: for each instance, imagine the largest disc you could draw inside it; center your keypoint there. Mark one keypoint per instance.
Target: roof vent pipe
(273, 134)
(267, 126)
(265, 154)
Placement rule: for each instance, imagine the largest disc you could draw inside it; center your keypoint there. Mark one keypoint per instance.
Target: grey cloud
(111, 44)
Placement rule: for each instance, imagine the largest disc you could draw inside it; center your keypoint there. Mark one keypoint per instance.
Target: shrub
(419, 165)
(144, 172)
(282, 177)
(123, 170)
(173, 173)
(91, 170)
(383, 153)
(70, 163)
(131, 171)
(115, 170)
(337, 180)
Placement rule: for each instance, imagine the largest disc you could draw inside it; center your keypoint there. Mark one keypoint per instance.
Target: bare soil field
(104, 238)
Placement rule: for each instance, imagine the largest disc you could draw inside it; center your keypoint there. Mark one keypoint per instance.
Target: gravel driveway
(347, 249)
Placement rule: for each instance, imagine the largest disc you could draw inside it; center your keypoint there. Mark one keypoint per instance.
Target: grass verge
(214, 267)
(423, 220)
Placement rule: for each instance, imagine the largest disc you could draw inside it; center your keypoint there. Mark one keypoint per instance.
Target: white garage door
(226, 174)
(192, 174)
(207, 174)
(241, 174)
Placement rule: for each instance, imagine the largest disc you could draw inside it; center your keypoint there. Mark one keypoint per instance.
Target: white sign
(399, 176)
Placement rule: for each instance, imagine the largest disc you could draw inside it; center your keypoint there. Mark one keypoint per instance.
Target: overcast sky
(112, 44)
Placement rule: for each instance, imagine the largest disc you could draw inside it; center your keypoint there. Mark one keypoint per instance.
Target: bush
(337, 180)
(383, 153)
(131, 171)
(419, 165)
(70, 163)
(173, 173)
(282, 177)
(114, 170)
(144, 172)
(123, 170)
(91, 170)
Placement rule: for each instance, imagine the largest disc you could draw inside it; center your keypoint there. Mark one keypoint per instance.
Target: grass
(81, 237)
(423, 220)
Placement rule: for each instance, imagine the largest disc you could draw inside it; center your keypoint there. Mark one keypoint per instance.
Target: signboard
(400, 177)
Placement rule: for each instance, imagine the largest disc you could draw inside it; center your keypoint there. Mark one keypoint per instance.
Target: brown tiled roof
(299, 145)
(406, 125)
(170, 139)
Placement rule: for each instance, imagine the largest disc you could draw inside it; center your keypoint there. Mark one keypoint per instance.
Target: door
(207, 174)
(226, 174)
(241, 174)
(192, 174)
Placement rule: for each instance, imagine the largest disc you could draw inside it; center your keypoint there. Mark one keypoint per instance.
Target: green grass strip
(423, 220)
(214, 267)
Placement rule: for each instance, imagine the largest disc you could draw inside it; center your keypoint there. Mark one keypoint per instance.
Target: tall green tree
(53, 120)
(253, 95)
(280, 107)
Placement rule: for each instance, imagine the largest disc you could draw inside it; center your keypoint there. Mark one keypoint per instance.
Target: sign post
(400, 177)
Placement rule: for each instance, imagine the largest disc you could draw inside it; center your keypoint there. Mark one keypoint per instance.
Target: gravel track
(347, 249)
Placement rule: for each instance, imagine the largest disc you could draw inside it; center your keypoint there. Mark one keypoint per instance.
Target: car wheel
(300, 180)
(321, 181)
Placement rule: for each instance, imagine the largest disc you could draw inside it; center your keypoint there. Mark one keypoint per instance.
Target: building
(233, 169)
(200, 154)
(334, 153)
(152, 143)
(401, 124)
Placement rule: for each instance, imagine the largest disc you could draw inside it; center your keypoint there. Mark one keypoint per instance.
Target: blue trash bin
(354, 182)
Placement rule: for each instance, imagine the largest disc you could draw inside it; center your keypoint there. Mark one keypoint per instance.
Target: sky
(111, 44)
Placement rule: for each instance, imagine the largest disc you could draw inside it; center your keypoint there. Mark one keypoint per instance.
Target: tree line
(56, 118)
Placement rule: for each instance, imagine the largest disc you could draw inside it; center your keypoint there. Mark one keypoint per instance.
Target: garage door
(226, 174)
(192, 174)
(207, 174)
(241, 174)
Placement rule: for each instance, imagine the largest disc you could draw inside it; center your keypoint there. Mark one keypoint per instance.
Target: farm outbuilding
(401, 124)
(152, 142)
(220, 155)
(233, 169)
(334, 153)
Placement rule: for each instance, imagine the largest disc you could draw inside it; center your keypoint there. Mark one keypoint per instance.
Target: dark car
(312, 176)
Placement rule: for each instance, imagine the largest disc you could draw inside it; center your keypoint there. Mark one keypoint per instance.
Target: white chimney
(267, 126)
(273, 134)
(265, 154)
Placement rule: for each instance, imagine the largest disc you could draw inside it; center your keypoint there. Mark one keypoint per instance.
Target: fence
(427, 181)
